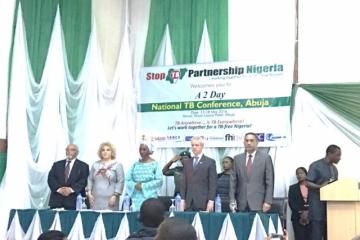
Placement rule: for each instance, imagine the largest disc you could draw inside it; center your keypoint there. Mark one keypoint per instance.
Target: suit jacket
(77, 181)
(256, 189)
(199, 184)
(296, 201)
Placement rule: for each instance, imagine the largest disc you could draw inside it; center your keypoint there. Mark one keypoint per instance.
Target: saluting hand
(175, 159)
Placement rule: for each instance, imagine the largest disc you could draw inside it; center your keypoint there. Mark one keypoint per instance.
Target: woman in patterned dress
(106, 180)
(144, 177)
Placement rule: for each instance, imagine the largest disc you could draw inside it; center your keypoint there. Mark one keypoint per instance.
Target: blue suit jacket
(77, 181)
(199, 184)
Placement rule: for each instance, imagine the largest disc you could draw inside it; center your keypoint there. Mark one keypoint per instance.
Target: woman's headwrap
(148, 143)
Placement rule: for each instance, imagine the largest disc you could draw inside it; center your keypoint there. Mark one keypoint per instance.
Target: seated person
(52, 235)
(357, 237)
(223, 183)
(174, 228)
(177, 171)
(277, 236)
(152, 212)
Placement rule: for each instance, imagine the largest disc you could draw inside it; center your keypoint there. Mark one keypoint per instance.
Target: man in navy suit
(67, 178)
(199, 182)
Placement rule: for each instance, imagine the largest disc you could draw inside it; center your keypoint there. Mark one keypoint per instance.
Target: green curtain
(157, 22)
(186, 21)
(76, 24)
(39, 16)
(217, 22)
(3, 156)
(342, 98)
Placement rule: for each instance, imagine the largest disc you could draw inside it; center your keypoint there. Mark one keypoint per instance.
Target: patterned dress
(104, 180)
(150, 177)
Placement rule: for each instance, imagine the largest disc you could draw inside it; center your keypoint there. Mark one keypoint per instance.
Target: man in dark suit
(252, 181)
(66, 179)
(198, 186)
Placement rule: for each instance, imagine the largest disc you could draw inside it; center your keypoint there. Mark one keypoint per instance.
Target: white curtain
(110, 19)
(314, 127)
(329, 47)
(261, 30)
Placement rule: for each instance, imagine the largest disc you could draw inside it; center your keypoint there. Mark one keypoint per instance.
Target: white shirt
(252, 156)
(71, 164)
(198, 156)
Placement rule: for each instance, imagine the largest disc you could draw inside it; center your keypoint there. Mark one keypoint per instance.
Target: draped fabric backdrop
(69, 73)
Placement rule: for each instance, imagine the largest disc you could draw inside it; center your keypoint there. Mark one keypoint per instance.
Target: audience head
(71, 151)
(185, 155)
(152, 212)
(357, 237)
(197, 145)
(52, 235)
(301, 174)
(227, 163)
(250, 142)
(175, 229)
(106, 151)
(333, 153)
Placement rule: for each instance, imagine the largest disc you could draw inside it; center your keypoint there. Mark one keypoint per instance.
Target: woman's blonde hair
(111, 146)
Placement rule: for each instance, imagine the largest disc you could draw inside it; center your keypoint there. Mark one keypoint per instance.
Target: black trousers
(192, 208)
(301, 232)
(318, 230)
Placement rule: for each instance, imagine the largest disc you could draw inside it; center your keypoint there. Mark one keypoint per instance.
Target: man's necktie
(196, 161)
(67, 170)
(249, 165)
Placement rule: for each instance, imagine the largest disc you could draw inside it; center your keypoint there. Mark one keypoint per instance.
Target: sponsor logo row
(262, 137)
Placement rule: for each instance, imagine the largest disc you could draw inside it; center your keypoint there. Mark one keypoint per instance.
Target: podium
(343, 208)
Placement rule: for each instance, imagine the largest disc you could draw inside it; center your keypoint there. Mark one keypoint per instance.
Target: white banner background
(178, 102)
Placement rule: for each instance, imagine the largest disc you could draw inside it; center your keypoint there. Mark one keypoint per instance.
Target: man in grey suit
(252, 181)
(198, 186)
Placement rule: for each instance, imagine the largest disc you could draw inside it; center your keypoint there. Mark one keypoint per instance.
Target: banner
(219, 101)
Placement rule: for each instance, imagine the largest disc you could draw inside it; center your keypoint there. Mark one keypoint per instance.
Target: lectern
(343, 208)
